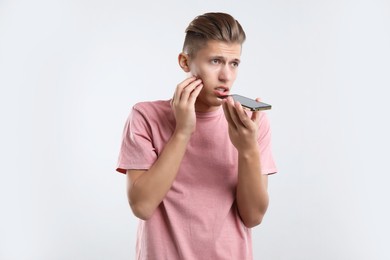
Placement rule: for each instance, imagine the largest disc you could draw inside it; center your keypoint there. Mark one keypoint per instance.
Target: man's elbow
(141, 211)
(253, 221)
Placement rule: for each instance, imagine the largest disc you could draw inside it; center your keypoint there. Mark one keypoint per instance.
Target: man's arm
(146, 189)
(251, 194)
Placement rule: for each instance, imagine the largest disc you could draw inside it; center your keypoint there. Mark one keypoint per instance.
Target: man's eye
(235, 64)
(215, 61)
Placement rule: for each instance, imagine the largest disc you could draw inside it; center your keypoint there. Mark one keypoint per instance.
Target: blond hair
(212, 26)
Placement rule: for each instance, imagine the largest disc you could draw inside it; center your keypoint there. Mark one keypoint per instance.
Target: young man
(197, 164)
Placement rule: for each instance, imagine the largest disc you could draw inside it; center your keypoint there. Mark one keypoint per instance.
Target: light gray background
(71, 70)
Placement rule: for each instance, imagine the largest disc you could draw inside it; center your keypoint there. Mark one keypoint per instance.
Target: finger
(233, 112)
(195, 93)
(242, 116)
(187, 90)
(256, 115)
(227, 113)
(180, 86)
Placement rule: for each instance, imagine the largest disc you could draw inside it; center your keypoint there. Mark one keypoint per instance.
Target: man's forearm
(251, 194)
(150, 188)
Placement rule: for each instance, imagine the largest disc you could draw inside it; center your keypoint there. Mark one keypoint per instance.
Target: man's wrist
(181, 136)
(248, 153)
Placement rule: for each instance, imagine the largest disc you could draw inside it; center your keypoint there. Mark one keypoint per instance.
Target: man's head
(211, 52)
(212, 26)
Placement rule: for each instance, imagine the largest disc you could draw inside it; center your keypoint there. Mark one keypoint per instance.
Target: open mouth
(221, 92)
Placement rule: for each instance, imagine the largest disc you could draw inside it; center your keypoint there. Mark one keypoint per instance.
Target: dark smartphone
(250, 104)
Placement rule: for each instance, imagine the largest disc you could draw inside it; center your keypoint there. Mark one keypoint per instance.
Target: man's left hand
(243, 129)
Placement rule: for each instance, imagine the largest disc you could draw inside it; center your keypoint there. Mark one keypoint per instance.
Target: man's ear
(184, 62)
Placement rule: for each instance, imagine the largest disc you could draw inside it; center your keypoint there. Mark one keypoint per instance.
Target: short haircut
(212, 26)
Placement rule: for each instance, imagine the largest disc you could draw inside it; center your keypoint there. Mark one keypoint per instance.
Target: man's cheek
(194, 70)
(198, 71)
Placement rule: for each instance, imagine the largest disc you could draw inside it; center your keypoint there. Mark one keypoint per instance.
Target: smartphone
(250, 104)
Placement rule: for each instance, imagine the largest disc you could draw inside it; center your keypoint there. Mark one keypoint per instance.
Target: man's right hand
(183, 105)
(147, 188)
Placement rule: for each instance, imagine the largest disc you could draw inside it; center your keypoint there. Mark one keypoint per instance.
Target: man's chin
(219, 101)
(209, 103)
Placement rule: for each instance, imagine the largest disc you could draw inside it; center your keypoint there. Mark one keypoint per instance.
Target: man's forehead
(221, 49)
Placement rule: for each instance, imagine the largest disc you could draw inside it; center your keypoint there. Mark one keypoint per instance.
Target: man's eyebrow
(224, 58)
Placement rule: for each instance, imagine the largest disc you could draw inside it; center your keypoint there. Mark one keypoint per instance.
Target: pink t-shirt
(198, 218)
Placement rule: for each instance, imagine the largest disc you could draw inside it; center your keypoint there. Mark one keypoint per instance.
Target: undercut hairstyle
(212, 26)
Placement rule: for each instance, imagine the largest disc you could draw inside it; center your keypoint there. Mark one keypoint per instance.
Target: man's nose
(225, 73)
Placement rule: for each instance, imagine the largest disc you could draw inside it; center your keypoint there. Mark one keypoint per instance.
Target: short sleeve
(136, 150)
(268, 165)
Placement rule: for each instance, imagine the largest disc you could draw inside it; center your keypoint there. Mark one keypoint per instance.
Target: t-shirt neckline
(214, 113)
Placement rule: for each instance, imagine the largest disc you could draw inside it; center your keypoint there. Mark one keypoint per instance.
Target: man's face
(216, 65)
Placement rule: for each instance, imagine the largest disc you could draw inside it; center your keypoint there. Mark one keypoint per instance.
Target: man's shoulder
(152, 105)
(156, 108)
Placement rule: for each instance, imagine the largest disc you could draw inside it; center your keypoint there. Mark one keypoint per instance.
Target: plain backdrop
(71, 70)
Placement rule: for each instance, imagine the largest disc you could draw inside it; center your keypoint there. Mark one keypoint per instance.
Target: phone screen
(251, 104)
